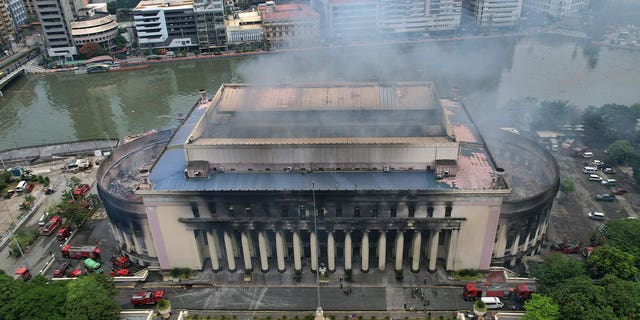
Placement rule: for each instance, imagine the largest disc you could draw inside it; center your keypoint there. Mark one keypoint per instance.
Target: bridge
(6, 79)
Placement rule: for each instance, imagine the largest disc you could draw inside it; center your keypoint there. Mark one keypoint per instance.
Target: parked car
(49, 190)
(608, 182)
(566, 248)
(619, 191)
(596, 215)
(608, 170)
(29, 188)
(595, 177)
(605, 197)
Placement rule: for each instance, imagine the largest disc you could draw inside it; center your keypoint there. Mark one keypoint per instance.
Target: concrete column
(228, 248)
(453, 249)
(347, 250)
(399, 249)
(246, 250)
(382, 250)
(433, 249)
(262, 247)
(213, 249)
(280, 250)
(501, 244)
(331, 252)
(314, 251)
(365, 251)
(514, 249)
(417, 240)
(297, 249)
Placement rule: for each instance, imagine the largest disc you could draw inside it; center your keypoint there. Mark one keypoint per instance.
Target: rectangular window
(412, 210)
(195, 210)
(356, 212)
(394, 212)
(212, 208)
(284, 212)
(231, 211)
(339, 212)
(430, 210)
(447, 210)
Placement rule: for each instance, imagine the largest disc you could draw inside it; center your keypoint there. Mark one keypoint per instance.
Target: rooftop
(155, 4)
(289, 12)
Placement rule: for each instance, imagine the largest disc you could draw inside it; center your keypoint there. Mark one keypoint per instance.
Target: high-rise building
(553, 8)
(348, 20)
(492, 13)
(290, 25)
(210, 24)
(244, 28)
(56, 17)
(419, 16)
(396, 177)
(94, 24)
(167, 24)
(6, 27)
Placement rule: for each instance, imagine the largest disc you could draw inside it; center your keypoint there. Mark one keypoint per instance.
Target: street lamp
(11, 234)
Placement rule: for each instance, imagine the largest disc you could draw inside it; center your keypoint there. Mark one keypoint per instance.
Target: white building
(554, 8)
(244, 27)
(56, 17)
(355, 19)
(94, 24)
(165, 24)
(492, 13)
(416, 16)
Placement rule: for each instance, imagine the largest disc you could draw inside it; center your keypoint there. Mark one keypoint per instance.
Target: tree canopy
(624, 234)
(556, 269)
(609, 260)
(621, 151)
(541, 307)
(88, 297)
(579, 298)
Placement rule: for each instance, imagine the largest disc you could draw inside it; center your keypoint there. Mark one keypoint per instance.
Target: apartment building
(56, 17)
(290, 25)
(351, 20)
(244, 27)
(419, 16)
(167, 24)
(94, 24)
(492, 13)
(210, 24)
(553, 8)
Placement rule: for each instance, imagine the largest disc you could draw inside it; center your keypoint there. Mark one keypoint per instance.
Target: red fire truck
(476, 290)
(147, 297)
(51, 226)
(83, 252)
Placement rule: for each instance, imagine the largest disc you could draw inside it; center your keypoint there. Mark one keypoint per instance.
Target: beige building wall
(477, 234)
(175, 243)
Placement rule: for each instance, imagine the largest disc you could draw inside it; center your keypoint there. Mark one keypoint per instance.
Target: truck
(120, 261)
(83, 252)
(476, 290)
(66, 270)
(524, 291)
(92, 266)
(22, 273)
(81, 191)
(51, 226)
(63, 233)
(147, 297)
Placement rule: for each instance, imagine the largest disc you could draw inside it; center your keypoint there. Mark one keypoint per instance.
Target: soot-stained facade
(349, 175)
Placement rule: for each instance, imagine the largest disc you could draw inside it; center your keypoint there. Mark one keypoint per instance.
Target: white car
(596, 215)
(595, 177)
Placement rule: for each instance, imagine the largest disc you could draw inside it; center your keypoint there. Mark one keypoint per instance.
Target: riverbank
(142, 60)
(44, 153)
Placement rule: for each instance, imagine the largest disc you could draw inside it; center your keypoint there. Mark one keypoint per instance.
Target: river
(41, 109)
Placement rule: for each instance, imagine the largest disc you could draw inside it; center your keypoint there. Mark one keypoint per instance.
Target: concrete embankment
(30, 155)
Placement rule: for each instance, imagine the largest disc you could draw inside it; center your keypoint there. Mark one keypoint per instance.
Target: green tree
(91, 297)
(567, 185)
(579, 298)
(541, 307)
(90, 50)
(74, 182)
(552, 114)
(112, 7)
(39, 299)
(621, 151)
(624, 234)
(73, 212)
(555, 269)
(609, 260)
(9, 288)
(120, 42)
(622, 295)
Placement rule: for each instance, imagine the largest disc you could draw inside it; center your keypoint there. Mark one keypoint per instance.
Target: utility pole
(11, 234)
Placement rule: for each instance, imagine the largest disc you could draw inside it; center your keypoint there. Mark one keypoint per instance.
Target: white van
(21, 185)
(608, 182)
(589, 170)
(492, 302)
(596, 215)
(587, 155)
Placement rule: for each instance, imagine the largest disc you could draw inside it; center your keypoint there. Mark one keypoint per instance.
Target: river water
(58, 107)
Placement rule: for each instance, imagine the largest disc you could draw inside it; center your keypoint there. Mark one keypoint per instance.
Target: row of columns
(280, 245)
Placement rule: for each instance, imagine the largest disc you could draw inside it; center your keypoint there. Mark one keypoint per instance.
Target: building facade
(364, 176)
(348, 20)
(6, 27)
(554, 8)
(419, 16)
(244, 27)
(210, 24)
(492, 13)
(165, 24)
(290, 25)
(94, 26)
(56, 18)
